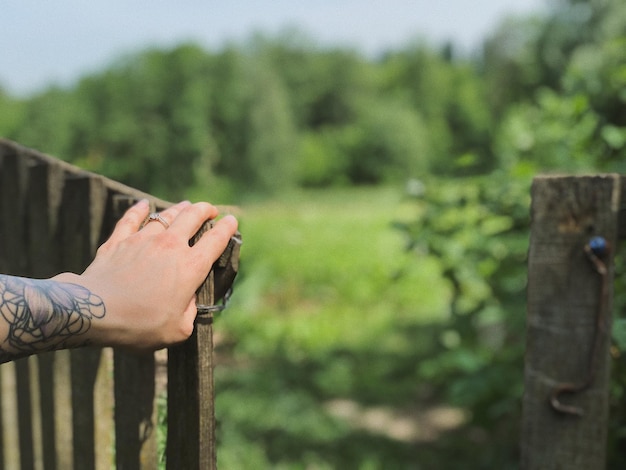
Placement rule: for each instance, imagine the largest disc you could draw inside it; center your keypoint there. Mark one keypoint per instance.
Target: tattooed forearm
(43, 315)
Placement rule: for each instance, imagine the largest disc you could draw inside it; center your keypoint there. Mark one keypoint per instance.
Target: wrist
(85, 310)
(126, 321)
(41, 315)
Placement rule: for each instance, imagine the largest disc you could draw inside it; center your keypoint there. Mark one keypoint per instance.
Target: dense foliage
(338, 323)
(264, 116)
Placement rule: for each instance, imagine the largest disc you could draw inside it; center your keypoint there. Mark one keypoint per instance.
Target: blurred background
(381, 155)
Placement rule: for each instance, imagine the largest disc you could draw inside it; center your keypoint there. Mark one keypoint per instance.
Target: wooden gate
(95, 407)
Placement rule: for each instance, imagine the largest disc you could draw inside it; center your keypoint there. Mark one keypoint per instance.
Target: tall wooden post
(135, 398)
(566, 308)
(190, 398)
(16, 435)
(80, 226)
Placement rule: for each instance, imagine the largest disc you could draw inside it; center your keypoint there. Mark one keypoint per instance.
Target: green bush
(477, 228)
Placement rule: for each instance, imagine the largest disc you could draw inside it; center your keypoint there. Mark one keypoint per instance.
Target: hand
(147, 277)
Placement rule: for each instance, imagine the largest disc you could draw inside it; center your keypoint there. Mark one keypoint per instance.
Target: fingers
(213, 243)
(189, 315)
(184, 220)
(189, 220)
(130, 222)
(135, 217)
(168, 216)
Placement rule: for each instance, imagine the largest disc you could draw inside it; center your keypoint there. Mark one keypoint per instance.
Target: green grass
(322, 270)
(328, 305)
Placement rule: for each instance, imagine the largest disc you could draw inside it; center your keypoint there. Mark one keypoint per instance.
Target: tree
(508, 63)
(145, 121)
(477, 229)
(449, 95)
(272, 138)
(47, 122)
(252, 115)
(11, 111)
(388, 142)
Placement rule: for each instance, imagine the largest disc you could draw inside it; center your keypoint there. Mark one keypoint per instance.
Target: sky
(45, 42)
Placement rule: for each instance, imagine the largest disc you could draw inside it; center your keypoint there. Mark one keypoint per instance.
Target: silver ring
(155, 216)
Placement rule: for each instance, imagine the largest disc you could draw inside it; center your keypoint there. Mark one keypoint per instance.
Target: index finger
(130, 222)
(191, 218)
(213, 242)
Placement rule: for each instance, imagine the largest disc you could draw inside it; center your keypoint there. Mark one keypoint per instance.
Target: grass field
(328, 269)
(328, 310)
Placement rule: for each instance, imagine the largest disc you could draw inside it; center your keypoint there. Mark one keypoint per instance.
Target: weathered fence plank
(103, 399)
(24, 412)
(17, 431)
(84, 202)
(13, 176)
(135, 411)
(190, 405)
(566, 307)
(36, 422)
(43, 198)
(11, 443)
(63, 411)
(135, 398)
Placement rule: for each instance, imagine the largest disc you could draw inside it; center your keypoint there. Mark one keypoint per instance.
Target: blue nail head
(598, 246)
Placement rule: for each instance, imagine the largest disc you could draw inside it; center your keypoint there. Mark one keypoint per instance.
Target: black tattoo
(44, 315)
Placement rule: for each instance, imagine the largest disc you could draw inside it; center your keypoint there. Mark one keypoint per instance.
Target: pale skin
(137, 294)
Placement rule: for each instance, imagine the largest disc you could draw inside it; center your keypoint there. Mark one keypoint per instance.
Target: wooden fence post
(80, 226)
(564, 301)
(13, 259)
(135, 399)
(190, 397)
(45, 189)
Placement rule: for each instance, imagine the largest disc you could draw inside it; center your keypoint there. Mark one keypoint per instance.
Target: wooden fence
(95, 408)
(577, 223)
